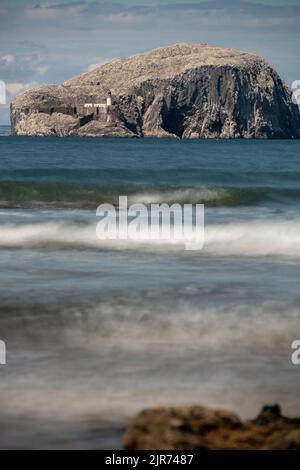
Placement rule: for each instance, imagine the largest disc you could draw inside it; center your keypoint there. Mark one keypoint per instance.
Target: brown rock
(197, 427)
(100, 129)
(185, 90)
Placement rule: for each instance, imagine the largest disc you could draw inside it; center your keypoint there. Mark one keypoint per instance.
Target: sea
(96, 331)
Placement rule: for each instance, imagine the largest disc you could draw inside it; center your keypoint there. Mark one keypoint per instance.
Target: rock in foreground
(197, 427)
(184, 90)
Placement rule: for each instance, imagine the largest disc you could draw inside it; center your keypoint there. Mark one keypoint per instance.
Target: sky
(50, 41)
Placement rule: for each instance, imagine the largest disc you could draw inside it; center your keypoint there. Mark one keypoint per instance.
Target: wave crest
(31, 194)
(280, 238)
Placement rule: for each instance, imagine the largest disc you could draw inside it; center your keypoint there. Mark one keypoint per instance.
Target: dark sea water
(96, 331)
(4, 131)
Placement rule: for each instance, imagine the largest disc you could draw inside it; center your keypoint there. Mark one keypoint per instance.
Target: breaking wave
(276, 238)
(152, 320)
(32, 194)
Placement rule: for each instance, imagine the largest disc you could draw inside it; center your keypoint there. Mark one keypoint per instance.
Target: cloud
(128, 12)
(41, 70)
(8, 59)
(53, 40)
(92, 67)
(17, 88)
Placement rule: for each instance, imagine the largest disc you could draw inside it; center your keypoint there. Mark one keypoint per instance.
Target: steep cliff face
(185, 91)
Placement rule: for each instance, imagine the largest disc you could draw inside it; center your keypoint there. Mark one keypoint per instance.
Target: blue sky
(49, 41)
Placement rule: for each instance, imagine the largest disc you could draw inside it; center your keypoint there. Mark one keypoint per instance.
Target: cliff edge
(183, 91)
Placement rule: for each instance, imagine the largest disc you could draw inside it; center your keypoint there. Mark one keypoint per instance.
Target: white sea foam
(183, 195)
(265, 327)
(277, 238)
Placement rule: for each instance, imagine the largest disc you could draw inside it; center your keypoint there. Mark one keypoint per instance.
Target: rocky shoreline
(198, 427)
(188, 91)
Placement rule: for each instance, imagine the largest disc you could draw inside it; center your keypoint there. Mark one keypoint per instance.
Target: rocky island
(182, 91)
